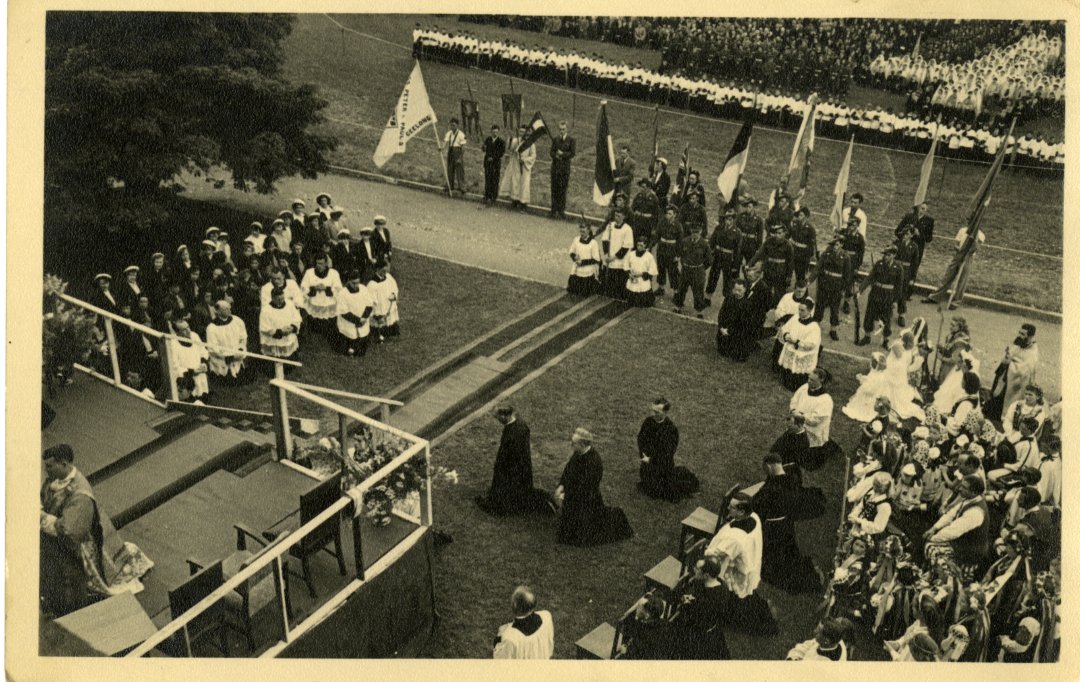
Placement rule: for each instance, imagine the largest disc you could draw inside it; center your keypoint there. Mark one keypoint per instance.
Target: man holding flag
(412, 114)
(919, 220)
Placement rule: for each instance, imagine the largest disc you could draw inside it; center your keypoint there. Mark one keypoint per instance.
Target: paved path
(536, 248)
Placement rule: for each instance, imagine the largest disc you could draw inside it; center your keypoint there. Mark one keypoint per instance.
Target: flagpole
(655, 131)
(442, 158)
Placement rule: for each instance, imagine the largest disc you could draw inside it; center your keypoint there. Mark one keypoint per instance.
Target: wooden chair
(258, 591)
(313, 503)
(701, 523)
(664, 579)
(209, 622)
(605, 642)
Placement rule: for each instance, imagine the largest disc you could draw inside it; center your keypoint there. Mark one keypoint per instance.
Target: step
(169, 470)
(553, 328)
(445, 394)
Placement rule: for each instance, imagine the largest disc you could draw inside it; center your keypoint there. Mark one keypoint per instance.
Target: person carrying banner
(454, 143)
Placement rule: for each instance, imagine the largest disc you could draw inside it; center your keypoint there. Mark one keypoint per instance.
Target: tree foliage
(134, 99)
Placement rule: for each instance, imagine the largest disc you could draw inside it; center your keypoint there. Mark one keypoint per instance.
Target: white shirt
(957, 520)
(638, 266)
(818, 411)
(618, 238)
(454, 138)
(861, 215)
(515, 644)
(355, 303)
(292, 293)
(385, 296)
(590, 251)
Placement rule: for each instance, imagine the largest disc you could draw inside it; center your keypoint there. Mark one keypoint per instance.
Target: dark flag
(686, 171)
(534, 131)
(470, 117)
(511, 108)
(728, 180)
(604, 183)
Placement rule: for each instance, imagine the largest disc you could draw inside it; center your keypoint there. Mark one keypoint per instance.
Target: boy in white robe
(187, 357)
(384, 292)
(641, 269)
(801, 337)
(279, 322)
(355, 306)
(278, 280)
(226, 333)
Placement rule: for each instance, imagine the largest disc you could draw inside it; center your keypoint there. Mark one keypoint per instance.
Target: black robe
(660, 478)
(700, 625)
(782, 564)
(585, 521)
(512, 489)
(735, 316)
(792, 448)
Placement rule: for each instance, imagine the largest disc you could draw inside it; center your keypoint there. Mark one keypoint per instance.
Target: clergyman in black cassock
(776, 503)
(585, 521)
(512, 489)
(658, 439)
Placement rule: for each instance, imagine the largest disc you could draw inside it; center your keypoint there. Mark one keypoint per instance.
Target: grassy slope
(725, 429)
(362, 79)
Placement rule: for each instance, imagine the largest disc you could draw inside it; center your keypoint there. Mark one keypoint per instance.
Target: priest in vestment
(777, 505)
(738, 548)
(1014, 374)
(188, 358)
(517, 177)
(801, 337)
(658, 439)
(224, 333)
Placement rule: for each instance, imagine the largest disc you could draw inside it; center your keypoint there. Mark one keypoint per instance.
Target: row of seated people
(720, 99)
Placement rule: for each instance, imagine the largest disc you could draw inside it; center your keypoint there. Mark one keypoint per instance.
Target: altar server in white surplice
(224, 334)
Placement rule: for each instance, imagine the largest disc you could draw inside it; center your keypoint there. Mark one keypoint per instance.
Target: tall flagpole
(442, 158)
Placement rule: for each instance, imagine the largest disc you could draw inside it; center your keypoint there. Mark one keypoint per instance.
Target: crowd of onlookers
(304, 273)
(730, 99)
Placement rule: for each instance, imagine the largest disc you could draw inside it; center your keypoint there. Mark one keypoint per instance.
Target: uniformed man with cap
(380, 237)
(834, 276)
(661, 181)
(752, 227)
(920, 219)
(907, 255)
(644, 211)
(886, 282)
(726, 245)
(803, 238)
(775, 256)
(854, 245)
(692, 214)
(667, 235)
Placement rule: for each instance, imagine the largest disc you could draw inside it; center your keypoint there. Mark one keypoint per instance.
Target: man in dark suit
(494, 150)
(563, 149)
(919, 218)
(380, 237)
(758, 301)
(343, 254)
(624, 171)
(512, 489)
(661, 181)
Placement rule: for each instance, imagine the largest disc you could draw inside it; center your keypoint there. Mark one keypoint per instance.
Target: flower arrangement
(368, 451)
(69, 334)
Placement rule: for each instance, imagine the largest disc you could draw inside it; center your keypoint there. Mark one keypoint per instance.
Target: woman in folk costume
(227, 338)
(951, 388)
(82, 556)
(320, 287)
(384, 292)
(585, 272)
(641, 267)
(848, 592)
(738, 547)
(872, 505)
(355, 306)
(957, 341)
(279, 322)
(1031, 405)
(517, 176)
(801, 336)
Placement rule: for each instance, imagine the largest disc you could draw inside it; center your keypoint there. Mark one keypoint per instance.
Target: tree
(132, 99)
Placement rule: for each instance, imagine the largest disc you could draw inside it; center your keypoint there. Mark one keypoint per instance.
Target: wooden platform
(100, 422)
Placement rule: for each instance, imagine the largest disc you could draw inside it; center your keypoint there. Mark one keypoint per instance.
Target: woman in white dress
(903, 359)
(951, 389)
(872, 385)
(887, 378)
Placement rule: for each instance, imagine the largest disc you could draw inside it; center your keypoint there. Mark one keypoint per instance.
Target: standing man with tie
(494, 150)
(563, 149)
(454, 142)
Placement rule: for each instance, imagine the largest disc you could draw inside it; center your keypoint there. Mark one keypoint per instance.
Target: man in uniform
(886, 280)
(775, 256)
(752, 227)
(644, 211)
(907, 255)
(563, 149)
(725, 243)
(692, 214)
(494, 150)
(854, 212)
(803, 238)
(666, 237)
(920, 219)
(693, 259)
(854, 245)
(835, 276)
(624, 171)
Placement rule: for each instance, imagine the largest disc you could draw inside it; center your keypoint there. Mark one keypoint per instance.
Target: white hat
(934, 453)
(380, 220)
(582, 434)
(909, 469)
(921, 433)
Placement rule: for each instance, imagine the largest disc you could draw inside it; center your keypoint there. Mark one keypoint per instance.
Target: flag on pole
(840, 191)
(728, 180)
(978, 208)
(915, 50)
(806, 144)
(685, 162)
(412, 114)
(534, 131)
(927, 168)
(604, 182)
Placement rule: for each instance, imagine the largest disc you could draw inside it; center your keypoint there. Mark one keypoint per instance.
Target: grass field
(362, 79)
(725, 429)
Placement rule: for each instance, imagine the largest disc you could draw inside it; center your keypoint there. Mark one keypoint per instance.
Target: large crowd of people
(304, 274)
(931, 109)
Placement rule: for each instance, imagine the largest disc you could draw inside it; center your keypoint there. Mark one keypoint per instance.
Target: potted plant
(69, 334)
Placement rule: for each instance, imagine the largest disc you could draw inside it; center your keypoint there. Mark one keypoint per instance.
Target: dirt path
(527, 246)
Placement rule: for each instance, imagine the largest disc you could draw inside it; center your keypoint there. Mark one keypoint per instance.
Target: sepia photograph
(545, 336)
